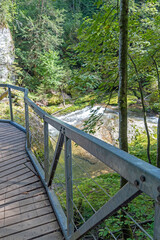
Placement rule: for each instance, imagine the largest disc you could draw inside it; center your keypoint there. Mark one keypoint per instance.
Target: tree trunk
(122, 96)
(158, 142)
(145, 121)
(144, 110)
(158, 126)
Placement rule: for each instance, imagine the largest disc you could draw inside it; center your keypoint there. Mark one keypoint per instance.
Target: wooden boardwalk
(25, 211)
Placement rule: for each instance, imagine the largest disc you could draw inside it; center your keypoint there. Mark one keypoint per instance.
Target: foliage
(7, 12)
(141, 208)
(97, 49)
(49, 69)
(139, 144)
(38, 35)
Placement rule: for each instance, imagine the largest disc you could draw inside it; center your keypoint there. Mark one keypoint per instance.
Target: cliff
(6, 54)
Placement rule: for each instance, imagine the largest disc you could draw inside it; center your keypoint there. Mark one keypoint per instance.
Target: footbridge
(45, 192)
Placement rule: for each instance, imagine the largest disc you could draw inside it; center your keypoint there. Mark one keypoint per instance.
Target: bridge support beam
(69, 188)
(120, 199)
(157, 222)
(10, 104)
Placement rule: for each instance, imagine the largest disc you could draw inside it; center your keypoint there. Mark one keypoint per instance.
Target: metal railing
(141, 176)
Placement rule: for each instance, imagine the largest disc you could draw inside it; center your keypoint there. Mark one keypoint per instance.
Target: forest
(68, 54)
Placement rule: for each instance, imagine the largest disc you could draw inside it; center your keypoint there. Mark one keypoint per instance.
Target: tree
(7, 12)
(97, 51)
(122, 96)
(143, 51)
(38, 30)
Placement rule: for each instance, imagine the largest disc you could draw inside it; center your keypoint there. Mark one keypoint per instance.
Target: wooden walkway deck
(25, 211)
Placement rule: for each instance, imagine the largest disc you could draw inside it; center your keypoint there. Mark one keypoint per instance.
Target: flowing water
(107, 130)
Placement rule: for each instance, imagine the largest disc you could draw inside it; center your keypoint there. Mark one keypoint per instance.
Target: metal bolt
(143, 179)
(158, 188)
(158, 198)
(136, 183)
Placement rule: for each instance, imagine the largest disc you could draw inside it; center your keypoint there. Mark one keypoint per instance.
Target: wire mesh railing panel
(4, 105)
(36, 127)
(4, 109)
(92, 182)
(58, 183)
(18, 107)
(140, 213)
(93, 185)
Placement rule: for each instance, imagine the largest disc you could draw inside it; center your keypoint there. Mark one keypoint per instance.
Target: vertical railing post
(69, 186)
(27, 121)
(10, 103)
(157, 222)
(46, 150)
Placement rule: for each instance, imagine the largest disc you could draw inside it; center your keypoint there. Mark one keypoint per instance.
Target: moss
(87, 98)
(131, 99)
(51, 109)
(55, 100)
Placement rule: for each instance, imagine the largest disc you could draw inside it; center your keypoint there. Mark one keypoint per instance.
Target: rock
(6, 54)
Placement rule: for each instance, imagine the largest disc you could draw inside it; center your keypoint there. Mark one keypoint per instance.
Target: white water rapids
(108, 130)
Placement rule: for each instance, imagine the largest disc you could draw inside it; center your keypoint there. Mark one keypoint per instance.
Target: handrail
(141, 176)
(13, 87)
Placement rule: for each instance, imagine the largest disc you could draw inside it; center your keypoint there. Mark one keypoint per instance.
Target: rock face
(6, 54)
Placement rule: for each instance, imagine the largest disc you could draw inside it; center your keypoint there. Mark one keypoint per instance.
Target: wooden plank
(15, 182)
(14, 146)
(13, 175)
(27, 216)
(35, 232)
(13, 159)
(41, 196)
(10, 171)
(25, 211)
(12, 141)
(30, 167)
(24, 181)
(7, 129)
(20, 188)
(28, 224)
(12, 165)
(33, 206)
(7, 139)
(15, 154)
(9, 132)
(10, 129)
(9, 135)
(33, 192)
(8, 152)
(51, 236)
(5, 123)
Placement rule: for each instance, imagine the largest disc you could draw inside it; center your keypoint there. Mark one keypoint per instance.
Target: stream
(83, 162)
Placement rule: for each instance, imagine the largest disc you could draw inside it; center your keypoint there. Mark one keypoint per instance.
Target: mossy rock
(55, 100)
